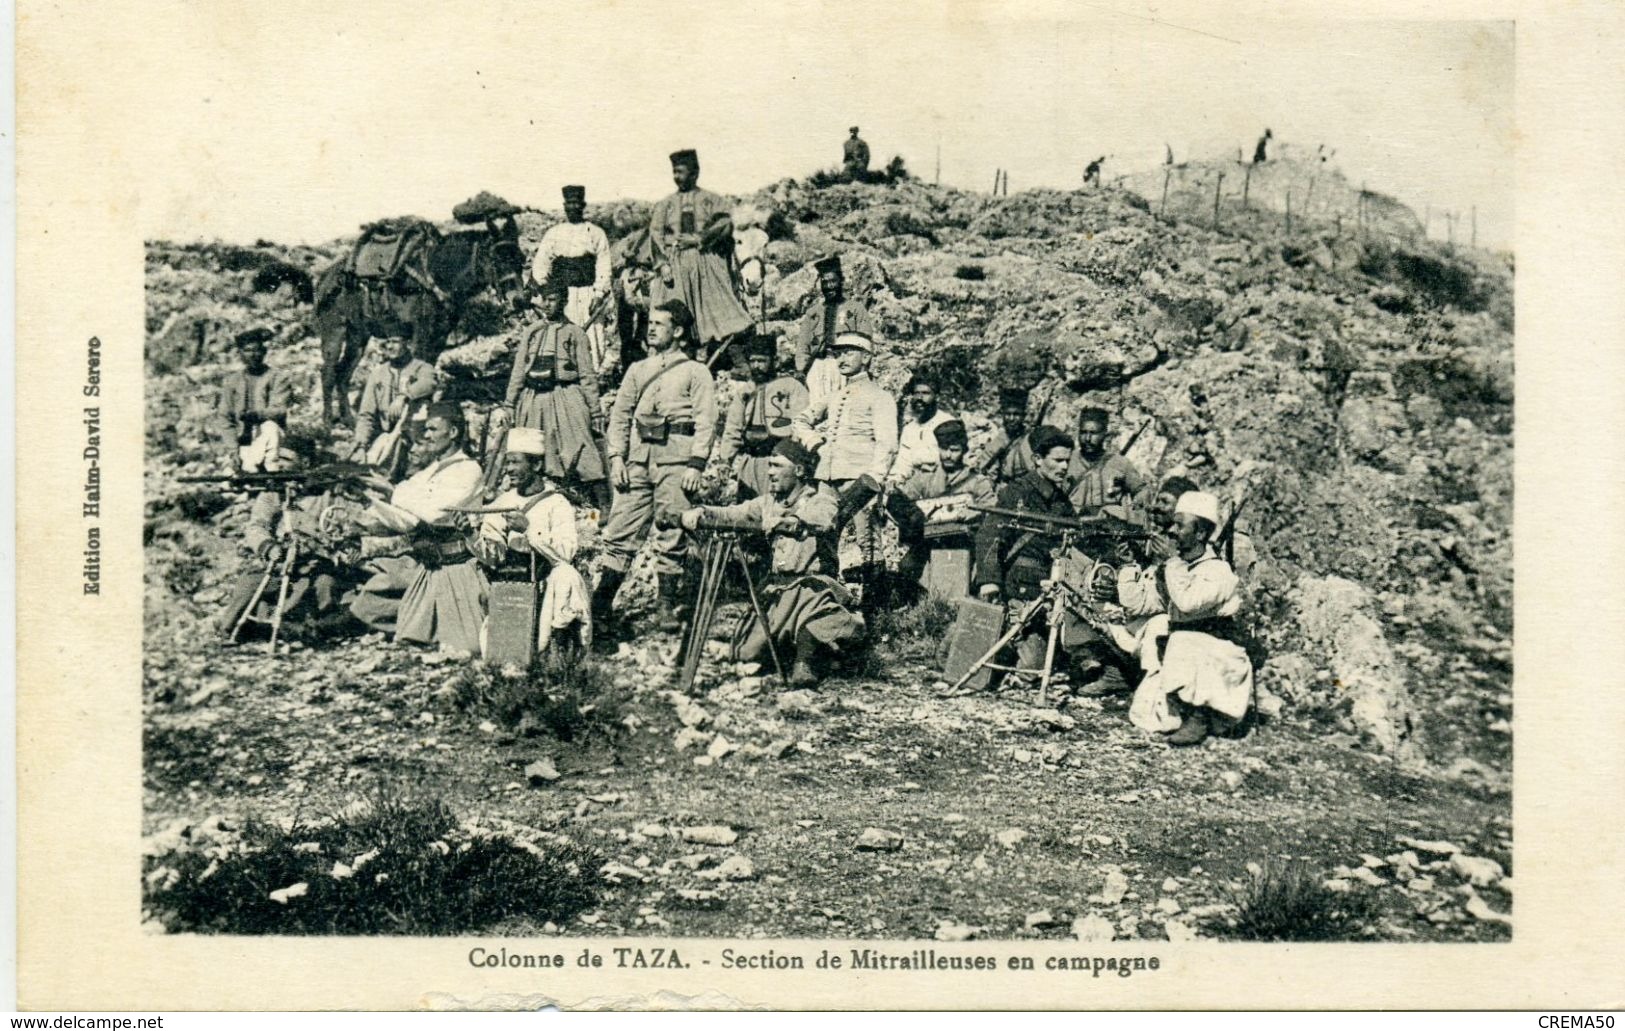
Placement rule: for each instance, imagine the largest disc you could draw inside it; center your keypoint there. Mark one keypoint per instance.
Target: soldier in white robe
(539, 526)
(576, 253)
(1195, 680)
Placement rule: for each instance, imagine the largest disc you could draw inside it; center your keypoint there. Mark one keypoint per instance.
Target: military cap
(1047, 438)
(761, 343)
(685, 157)
(951, 434)
(1094, 415)
(550, 286)
(257, 335)
(803, 456)
(853, 129)
(575, 193)
(829, 264)
(854, 340)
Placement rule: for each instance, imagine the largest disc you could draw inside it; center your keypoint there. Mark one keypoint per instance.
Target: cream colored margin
(81, 66)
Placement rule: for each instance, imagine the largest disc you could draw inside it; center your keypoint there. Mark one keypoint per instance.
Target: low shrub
(567, 695)
(1288, 901)
(397, 866)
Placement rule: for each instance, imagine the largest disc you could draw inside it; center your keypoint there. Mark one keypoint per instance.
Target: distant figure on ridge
(1091, 174)
(1261, 152)
(855, 157)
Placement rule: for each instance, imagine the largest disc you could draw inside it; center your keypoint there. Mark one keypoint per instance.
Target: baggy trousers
(652, 488)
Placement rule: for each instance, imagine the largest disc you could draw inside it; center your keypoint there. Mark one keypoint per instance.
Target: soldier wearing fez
(759, 417)
(941, 496)
(831, 315)
(812, 616)
(691, 232)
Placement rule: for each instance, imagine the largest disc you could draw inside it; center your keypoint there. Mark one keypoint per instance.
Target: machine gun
(317, 480)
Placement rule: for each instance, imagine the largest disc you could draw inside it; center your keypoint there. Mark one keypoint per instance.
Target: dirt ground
(1009, 818)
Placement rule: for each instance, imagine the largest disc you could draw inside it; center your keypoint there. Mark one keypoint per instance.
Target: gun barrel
(1105, 525)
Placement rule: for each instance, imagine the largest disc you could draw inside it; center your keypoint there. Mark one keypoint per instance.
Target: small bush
(974, 273)
(566, 695)
(1289, 902)
(400, 866)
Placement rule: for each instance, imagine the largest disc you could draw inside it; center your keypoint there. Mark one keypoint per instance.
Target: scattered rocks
(1011, 838)
(1478, 909)
(1179, 931)
(952, 932)
(710, 834)
(874, 839)
(720, 747)
(292, 891)
(542, 771)
(1477, 870)
(1168, 905)
(689, 737)
(1113, 890)
(1444, 849)
(1039, 919)
(734, 868)
(1093, 928)
(797, 703)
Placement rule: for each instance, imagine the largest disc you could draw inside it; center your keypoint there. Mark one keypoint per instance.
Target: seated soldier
(810, 613)
(1012, 564)
(425, 586)
(1177, 622)
(319, 575)
(538, 530)
(255, 401)
(758, 417)
(938, 500)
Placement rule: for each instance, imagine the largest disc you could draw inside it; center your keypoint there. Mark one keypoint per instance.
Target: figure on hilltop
(855, 157)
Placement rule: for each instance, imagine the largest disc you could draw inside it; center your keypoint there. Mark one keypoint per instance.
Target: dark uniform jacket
(1008, 556)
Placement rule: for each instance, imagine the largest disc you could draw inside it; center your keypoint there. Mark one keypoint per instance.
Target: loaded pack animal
(405, 277)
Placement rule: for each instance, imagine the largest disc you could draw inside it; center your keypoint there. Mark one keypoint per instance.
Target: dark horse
(461, 265)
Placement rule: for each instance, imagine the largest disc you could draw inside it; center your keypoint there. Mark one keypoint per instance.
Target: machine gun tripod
(1057, 596)
(718, 548)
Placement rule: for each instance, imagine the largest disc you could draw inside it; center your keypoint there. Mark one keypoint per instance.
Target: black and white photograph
(713, 489)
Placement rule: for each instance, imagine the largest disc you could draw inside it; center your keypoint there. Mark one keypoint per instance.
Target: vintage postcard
(934, 505)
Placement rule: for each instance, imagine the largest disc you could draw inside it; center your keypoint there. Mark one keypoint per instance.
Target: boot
(672, 612)
(605, 627)
(802, 673)
(1193, 731)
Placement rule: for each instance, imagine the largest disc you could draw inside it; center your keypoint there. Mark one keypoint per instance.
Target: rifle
(1225, 542)
(1135, 436)
(317, 480)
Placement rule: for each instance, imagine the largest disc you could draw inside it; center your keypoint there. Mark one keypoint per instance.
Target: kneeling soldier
(810, 611)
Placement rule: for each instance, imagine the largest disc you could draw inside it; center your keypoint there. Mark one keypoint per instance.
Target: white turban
(1198, 503)
(526, 440)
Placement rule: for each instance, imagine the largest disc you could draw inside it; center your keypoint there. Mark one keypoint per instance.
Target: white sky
(297, 121)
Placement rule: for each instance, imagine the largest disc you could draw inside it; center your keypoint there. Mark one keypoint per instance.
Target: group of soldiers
(808, 453)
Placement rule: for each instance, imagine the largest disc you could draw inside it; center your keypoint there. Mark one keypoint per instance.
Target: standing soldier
(855, 157)
(575, 253)
(1102, 479)
(691, 231)
(255, 402)
(830, 316)
(553, 388)
(759, 417)
(660, 431)
(855, 430)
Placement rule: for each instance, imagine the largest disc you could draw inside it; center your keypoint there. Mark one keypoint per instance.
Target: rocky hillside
(1356, 391)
